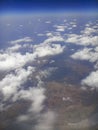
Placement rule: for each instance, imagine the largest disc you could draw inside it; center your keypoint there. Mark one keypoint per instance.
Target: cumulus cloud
(24, 40)
(82, 54)
(91, 80)
(96, 49)
(14, 84)
(86, 54)
(88, 31)
(52, 39)
(65, 26)
(10, 61)
(82, 40)
(47, 72)
(92, 56)
(60, 28)
(46, 121)
(88, 37)
(35, 95)
(11, 83)
(23, 118)
(14, 48)
(48, 49)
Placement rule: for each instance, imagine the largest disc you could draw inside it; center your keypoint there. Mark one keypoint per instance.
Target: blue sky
(48, 5)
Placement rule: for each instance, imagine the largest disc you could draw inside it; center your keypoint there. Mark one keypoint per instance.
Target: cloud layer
(88, 39)
(16, 64)
(19, 68)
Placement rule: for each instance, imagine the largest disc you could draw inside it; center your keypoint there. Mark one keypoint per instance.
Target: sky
(48, 5)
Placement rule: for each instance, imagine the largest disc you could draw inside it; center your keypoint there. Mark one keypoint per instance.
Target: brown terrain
(76, 108)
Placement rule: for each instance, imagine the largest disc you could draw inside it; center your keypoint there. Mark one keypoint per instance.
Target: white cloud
(92, 56)
(82, 40)
(96, 65)
(10, 84)
(87, 25)
(10, 61)
(91, 80)
(48, 49)
(52, 39)
(24, 40)
(60, 28)
(87, 37)
(49, 34)
(96, 49)
(82, 54)
(48, 22)
(23, 118)
(14, 48)
(86, 54)
(14, 63)
(46, 121)
(36, 95)
(11, 58)
(74, 25)
(47, 72)
(88, 31)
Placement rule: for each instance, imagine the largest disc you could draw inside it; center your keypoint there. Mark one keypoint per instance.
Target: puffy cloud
(14, 48)
(96, 49)
(88, 31)
(65, 26)
(96, 65)
(92, 56)
(49, 34)
(36, 95)
(11, 58)
(48, 49)
(46, 121)
(82, 40)
(91, 80)
(60, 28)
(13, 86)
(10, 61)
(25, 39)
(47, 72)
(12, 82)
(86, 54)
(82, 54)
(87, 37)
(74, 25)
(23, 118)
(52, 39)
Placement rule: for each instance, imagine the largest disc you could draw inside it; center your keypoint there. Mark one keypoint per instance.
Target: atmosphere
(48, 5)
